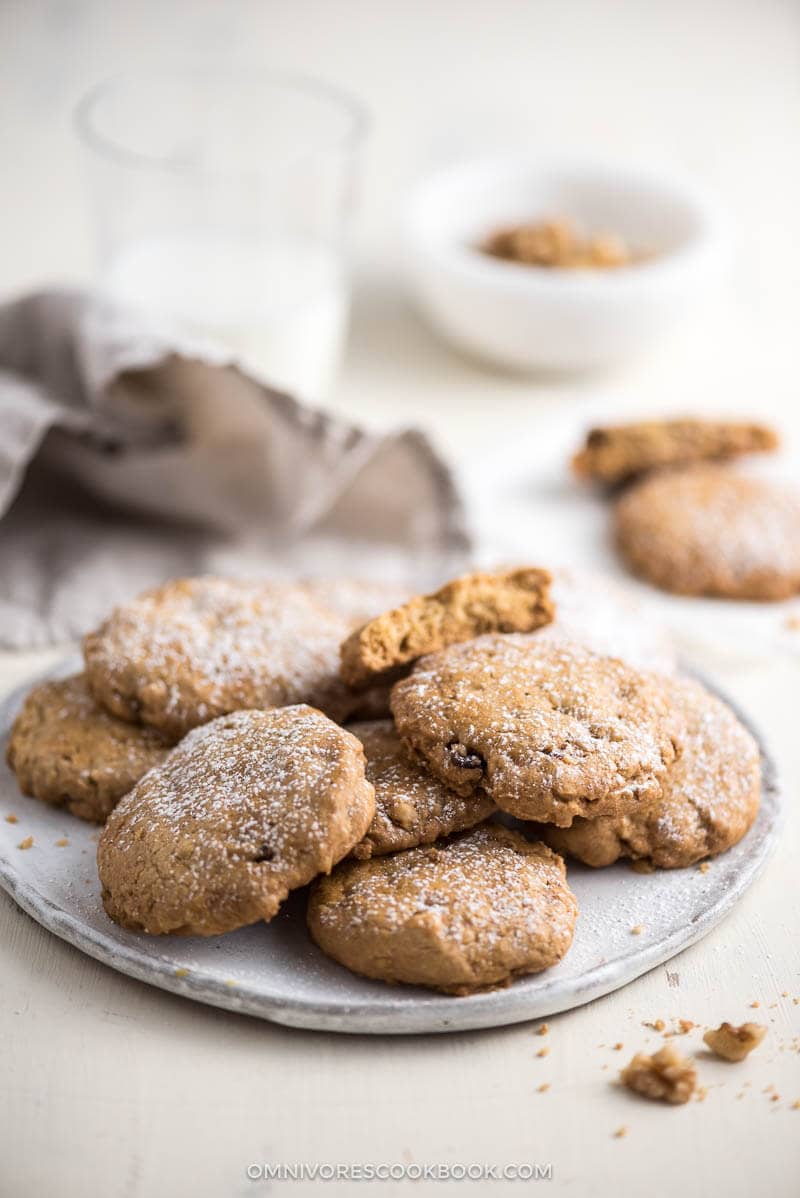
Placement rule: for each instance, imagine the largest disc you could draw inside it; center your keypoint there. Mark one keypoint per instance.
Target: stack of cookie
(685, 519)
(424, 769)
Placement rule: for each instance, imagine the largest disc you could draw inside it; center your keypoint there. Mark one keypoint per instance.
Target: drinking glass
(223, 205)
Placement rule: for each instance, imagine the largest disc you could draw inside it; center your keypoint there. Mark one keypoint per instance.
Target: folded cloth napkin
(128, 456)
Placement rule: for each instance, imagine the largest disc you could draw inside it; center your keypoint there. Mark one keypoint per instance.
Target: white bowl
(533, 318)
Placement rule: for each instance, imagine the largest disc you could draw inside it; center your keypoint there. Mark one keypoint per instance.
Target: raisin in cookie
(67, 751)
(464, 915)
(711, 531)
(242, 811)
(411, 806)
(197, 648)
(548, 729)
(512, 601)
(709, 801)
(616, 453)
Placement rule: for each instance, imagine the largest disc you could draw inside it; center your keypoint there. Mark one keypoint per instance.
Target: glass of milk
(223, 204)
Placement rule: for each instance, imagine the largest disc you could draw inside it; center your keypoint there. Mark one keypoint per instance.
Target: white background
(113, 1089)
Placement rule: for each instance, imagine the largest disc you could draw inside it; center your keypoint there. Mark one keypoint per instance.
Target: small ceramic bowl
(537, 318)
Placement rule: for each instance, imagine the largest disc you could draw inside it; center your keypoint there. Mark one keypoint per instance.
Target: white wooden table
(110, 1088)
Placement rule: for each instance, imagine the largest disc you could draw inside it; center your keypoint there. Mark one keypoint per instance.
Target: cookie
(615, 453)
(242, 811)
(603, 616)
(467, 914)
(512, 601)
(710, 796)
(548, 729)
(197, 648)
(708, 530)
(67, 751)
(411, 806)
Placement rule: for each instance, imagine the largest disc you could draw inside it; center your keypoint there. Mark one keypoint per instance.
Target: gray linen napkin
(128, 456)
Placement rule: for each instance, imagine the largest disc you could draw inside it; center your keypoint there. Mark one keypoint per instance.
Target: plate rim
(429, 1012)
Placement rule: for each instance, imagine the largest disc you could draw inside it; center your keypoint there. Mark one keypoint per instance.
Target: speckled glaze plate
(275, 972)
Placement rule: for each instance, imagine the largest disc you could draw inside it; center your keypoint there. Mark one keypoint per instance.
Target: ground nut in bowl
(527, 317)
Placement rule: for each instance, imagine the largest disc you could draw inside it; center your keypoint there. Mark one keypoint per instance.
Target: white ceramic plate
(275, 972)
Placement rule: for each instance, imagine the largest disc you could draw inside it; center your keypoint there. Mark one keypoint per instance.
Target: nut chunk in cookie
(709, 801)
(547, 728)
(197, 648)
(464, 915)
(619, 452)
(665, 1077)
(512, 601)
(411, 806)
(67, 751)
(242, 811)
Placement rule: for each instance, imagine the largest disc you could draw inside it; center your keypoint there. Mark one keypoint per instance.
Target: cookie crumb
(62, 843)
(643, 867)
(181, 973)
(620, 1133)
(657, 1025)
(734, 1043)
(27, 843)
(755, 1004)
(702, 1093)
(665, 1077)
(544, 1086)
(704, 867)
(637, 930)
(775, 1098)
(796, 1104)
(685, 1026)
(543, 1030)
(11, 819)
(231, 982)
(543, 1052)
(618, 1046)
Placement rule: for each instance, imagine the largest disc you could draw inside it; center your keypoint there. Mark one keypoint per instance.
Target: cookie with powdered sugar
(709, 801)
(709, 530)
(463, 915)
(242, 811)
(547, 728)
(69, 752)
(411, 806)
(197, 648)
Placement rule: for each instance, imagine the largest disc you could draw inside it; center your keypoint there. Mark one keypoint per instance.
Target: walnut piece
(557, 243)
(666, 1076)
(734, 1043)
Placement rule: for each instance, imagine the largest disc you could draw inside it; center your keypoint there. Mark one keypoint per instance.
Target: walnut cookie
(708, 530)
(242, 811)
(464, 915)
(197, 648)
(709, 801)
(510, 601)
(67, 751)
(411, 806)
(616, 453)
(549, 729)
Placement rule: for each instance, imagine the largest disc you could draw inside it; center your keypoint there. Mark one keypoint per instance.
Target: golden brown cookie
(616, 453)
(548, 729)
(710, 796)
(411, 806)
(464, 915)
(67, 751)
(197, 648)
(510, 601)
(708, 530)
(242, 811)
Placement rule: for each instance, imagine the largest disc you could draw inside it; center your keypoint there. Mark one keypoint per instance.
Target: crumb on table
(665, 1077)
(734, 1043)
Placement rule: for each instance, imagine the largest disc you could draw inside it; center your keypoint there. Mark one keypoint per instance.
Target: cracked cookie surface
(197, 648)
(508, 601)
(464, 915)
(708, 530)
(69, 752)
(709, 800)
(549, 729)
(617, 453)
(242, 811)
(411, 806)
